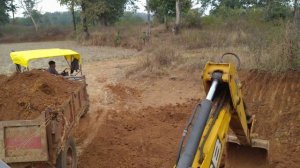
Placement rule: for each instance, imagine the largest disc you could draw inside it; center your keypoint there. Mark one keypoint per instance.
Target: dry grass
(266, 46)
(127, 37)
(157, 60)
(15, 33)
(279, 53)
(210, 38)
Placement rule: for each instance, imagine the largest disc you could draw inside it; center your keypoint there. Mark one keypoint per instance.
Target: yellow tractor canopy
(24, 57)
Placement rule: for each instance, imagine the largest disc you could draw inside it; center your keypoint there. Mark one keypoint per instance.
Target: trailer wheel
(68, 157)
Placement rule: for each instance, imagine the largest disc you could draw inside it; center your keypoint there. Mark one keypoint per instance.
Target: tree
(164, 8)
(296, 13)
(4, 8)
(13, 8)
(71, 5)
(177, 22)
(277, 9)
(232, 4)
(83, 5)
(106, 12)
(148, 18)
(274, 9)
(29, 7)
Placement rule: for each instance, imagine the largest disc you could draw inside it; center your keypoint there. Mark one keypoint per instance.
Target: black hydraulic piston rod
(187, 157)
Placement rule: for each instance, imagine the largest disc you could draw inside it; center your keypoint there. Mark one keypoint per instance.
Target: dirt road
(89, 53)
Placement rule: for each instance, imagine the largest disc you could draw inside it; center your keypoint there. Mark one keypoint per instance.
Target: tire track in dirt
(101, 100)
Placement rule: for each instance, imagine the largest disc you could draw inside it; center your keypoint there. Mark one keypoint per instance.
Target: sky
(54, 6)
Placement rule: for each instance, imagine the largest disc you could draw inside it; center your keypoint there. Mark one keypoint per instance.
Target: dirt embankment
(26, 95)
(148, 136)
(274, 99)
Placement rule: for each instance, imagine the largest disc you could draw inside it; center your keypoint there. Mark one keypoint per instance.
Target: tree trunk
(148, 19)
(177, 23)
(13, 10)
(296, 13)
(29, 11)
(34, 23)
(13, 19)
(73, 16)
(295, 6)
(105, 21)
(166, 22)
(86, 33)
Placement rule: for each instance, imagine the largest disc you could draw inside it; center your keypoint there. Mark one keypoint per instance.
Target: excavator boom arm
(205, 144)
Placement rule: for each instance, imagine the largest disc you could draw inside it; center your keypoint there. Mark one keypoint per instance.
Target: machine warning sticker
(216, 154)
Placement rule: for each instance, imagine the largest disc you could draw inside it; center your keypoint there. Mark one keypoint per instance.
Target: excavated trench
(148, 136)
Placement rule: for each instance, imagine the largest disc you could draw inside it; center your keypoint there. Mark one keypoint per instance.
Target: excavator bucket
(238, 156)
(253, 155)
(255, 143)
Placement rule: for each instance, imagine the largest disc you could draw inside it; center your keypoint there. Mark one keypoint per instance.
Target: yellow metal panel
(230, 77)
(24, 57)
(214, 146)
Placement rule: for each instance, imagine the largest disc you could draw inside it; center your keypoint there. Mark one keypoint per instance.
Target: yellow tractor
(222, 108)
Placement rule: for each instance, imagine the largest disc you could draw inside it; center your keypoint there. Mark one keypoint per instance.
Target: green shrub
(277, 10)
(211, 21)
(129, 19)
(192, 18)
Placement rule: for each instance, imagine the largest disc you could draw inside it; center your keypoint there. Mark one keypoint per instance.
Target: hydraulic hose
(191, 147)
(188, 155)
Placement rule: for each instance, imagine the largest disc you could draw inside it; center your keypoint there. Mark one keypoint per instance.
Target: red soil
(26, 95)
(143, 136)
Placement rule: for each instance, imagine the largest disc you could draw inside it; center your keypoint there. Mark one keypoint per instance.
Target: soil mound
(26, 95)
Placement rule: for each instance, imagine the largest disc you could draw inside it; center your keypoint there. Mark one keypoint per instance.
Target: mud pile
(26, 95)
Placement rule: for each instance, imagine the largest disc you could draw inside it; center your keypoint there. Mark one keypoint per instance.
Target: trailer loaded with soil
(38, 112)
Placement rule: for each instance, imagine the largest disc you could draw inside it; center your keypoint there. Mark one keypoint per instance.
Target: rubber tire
(61, 161)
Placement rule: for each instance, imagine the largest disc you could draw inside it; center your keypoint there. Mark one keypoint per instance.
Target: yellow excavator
(207, 136)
